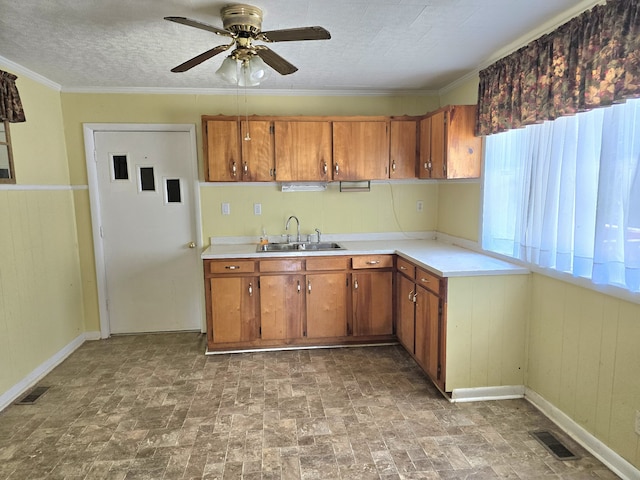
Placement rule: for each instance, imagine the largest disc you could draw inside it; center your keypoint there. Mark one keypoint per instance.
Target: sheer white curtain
(566, 194)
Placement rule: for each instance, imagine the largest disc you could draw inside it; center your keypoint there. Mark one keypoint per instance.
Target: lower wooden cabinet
(326, 305)
(234, 308)
(298, 301)
(282, 307)
(420, 300)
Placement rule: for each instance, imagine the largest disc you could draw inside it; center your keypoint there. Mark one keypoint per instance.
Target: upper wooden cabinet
(238, 151)
(360, 150)
(448, 145)
(303, 151)
(403, 149)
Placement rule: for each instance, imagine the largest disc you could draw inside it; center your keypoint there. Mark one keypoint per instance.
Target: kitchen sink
(299, 247)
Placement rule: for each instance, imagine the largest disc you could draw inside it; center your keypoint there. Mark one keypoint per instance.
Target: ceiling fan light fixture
(243, 73)
(229, 70)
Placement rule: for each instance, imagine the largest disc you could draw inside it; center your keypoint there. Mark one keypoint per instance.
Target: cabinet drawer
(428, 280)
(327, 263)
(406, 268)
(280, 265)
(230, 266)
(372, 261)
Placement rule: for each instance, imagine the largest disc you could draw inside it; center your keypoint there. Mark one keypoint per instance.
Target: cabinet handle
(309, 285)
(415, 297)
(234, 169)
(426, 166)
(411, 296)
(337, 168)
(299, 286)
(444, 169)
(251, 289)
(232, 267)
(245, 168)
(429, 165)
(325, 168)
(402, 267)
(393, 165)
(373, 262)
(355, 284)
(424, 280)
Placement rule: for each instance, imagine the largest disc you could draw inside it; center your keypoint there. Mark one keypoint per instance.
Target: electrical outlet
(637, 429)
(226, 209)
(419, 205)
(257, 209)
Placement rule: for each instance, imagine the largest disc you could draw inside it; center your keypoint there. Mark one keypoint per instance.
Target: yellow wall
(329, 208)
(40, 288)
(486, 330)
(584, 358)
(386, 208)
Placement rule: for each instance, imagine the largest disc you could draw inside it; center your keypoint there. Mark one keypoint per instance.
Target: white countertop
(443, 259)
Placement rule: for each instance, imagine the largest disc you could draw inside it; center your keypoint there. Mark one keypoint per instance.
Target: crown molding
(36, 77)
(249, 91)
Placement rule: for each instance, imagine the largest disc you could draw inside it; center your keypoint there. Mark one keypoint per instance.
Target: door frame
(89, 129)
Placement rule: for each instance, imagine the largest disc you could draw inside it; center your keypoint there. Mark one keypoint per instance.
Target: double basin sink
(299, 247)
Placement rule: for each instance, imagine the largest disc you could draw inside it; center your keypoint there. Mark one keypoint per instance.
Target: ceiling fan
(243, 23)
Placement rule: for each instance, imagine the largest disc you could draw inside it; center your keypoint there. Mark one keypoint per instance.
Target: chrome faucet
(286, 226)
(319, 233)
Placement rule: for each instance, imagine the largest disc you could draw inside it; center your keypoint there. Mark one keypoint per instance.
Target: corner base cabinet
(465, 332)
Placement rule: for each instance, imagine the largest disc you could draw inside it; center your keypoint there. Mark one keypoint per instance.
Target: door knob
(192, 245)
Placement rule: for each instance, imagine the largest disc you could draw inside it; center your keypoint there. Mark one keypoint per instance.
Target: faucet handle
(319, 233)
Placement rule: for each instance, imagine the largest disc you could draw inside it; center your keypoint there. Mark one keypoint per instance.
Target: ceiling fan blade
(275, 61)
(294, 34)
(200, 25)
(183, 67)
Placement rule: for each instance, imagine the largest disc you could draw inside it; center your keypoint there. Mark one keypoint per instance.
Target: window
(6, 158)
(565, 195)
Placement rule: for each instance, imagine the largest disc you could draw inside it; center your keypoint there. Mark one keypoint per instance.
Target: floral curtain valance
(591, 61)
(10, 104)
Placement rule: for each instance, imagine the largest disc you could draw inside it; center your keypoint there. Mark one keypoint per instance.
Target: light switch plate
(419, 206)
(226, 209)
(257, 209)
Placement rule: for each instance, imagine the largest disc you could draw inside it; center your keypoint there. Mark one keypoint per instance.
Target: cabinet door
(326, 305)
(372, 310)
(303, 151)
(234, 309)
(223, 151)
(438, 145)
(426, 166)
(258, 164)
(405, 313)
(281, 306)
(464, 149)
(402, 154)
(360, 150)
(427, 331)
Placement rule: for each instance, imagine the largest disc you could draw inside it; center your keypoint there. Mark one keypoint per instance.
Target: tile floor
(154, 407)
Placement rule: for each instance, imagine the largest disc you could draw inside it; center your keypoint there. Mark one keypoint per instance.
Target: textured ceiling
(376, 45)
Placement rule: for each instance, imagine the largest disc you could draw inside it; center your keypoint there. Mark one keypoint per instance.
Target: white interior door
(145, 182)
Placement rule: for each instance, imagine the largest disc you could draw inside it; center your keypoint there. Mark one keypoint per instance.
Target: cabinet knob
(373, 262)
(355, 284)
(234, 169)
(337, 169)
(402, 267)
(299, 289)
(424, 280)
(245, 168)
(232, 267)
(393, 165)
(192, 245)
(325, 168)
(309, 286)
(250, 289)
(411, 296)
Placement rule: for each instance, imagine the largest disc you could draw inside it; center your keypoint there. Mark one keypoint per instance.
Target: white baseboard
(606, 455)
(11, 395)
(480, 394)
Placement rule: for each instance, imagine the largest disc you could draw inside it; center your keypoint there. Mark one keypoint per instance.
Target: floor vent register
(554, 446)
(31, 397)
